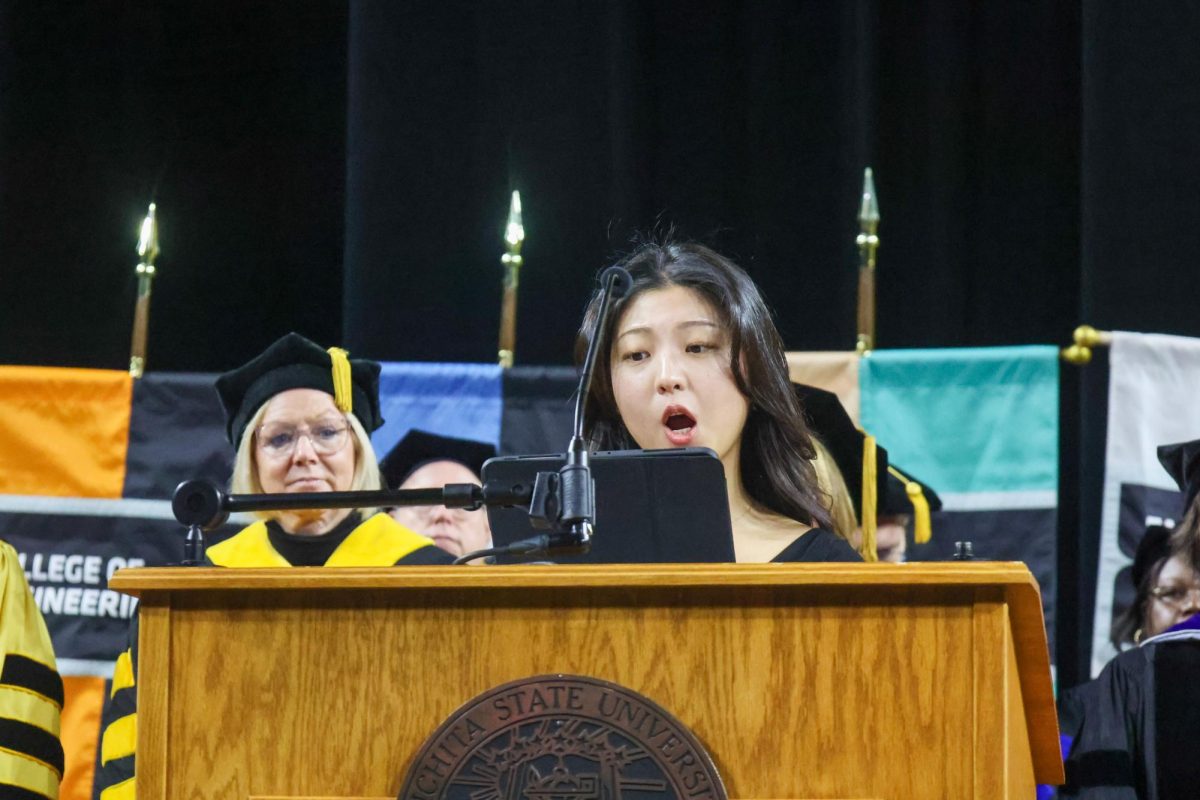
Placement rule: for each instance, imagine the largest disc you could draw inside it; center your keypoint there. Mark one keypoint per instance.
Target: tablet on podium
(652, 506)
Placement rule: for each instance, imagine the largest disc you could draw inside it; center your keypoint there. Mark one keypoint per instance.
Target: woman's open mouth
(680, 425)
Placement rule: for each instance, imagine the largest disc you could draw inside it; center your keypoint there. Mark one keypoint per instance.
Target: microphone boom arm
(202, 503)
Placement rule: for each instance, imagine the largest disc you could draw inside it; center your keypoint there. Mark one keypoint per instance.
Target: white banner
(1152, 388)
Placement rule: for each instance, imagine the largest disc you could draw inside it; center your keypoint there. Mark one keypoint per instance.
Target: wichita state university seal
(562, 737)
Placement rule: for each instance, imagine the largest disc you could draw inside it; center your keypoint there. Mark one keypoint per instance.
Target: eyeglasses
(1177, 596)
(279, 439)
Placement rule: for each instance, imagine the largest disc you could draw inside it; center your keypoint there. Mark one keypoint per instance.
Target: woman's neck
(312, 522)
(759, 534)
(738, 499)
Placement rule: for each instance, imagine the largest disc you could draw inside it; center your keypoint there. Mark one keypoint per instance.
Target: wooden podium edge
(1020, 590)
(1007, 575)
(1028, 628)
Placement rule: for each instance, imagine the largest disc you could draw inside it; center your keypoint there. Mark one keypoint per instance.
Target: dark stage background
(344, 170)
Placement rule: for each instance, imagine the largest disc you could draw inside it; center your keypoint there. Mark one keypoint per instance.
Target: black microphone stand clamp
(564, 504)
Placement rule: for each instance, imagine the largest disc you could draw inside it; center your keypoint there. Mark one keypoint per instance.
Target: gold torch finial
(147, 250)
(514, 237)
(514, 231)
(868, 242)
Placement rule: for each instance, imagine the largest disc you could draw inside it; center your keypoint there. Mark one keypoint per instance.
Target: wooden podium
(802, 681)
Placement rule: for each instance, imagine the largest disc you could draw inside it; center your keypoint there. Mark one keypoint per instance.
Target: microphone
(200, 503)
(616, 282)
(565, 501)
(577, 511)
(201, 506)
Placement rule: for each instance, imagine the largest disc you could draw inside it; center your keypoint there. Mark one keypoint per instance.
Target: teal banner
(969, 420)
(979, 426)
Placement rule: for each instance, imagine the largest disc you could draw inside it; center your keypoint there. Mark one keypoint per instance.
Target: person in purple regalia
(1138, 730)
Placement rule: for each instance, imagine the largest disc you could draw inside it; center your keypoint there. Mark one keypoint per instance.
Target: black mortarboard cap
(1182, 462)
(829, 420)
(294, 362)
(418, 448)
(1155, 546)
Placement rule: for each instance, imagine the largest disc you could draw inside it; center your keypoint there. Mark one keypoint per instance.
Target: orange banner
(63, 432)
(84, 700)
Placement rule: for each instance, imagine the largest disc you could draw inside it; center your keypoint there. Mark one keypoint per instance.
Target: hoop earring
(1137, 636)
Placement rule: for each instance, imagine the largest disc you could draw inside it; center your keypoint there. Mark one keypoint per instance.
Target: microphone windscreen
(621, 280)
(199, 502)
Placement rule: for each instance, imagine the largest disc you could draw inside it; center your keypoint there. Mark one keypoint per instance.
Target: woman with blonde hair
(300, 417)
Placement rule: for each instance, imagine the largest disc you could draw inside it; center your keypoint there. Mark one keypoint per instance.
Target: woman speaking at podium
(300, 417)
(693, 359)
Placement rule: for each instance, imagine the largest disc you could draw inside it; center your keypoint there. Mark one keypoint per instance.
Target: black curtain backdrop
(745, 125)
(1036, 166)
(231, 116)
(1140, 174)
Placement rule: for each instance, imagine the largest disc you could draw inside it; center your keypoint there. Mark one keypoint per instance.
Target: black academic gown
(378, 542)
(818, 545)
(1139, 727)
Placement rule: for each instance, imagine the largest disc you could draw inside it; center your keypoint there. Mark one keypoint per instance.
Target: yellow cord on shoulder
(922, 522)
(870, 500)
(343, 394)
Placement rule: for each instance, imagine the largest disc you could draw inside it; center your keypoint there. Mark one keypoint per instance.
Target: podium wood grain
(803, 681)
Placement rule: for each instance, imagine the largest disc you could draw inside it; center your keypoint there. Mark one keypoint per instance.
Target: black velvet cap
(294, 362)
(896, 501)
(828, 419)
(419, 448)
(1155, 546)
(1182, 462)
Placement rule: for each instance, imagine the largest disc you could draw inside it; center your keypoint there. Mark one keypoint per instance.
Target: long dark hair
(777, 449)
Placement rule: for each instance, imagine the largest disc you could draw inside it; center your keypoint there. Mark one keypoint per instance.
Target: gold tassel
(343, 389)
(922, 523)
(870, 500)
(922, 527)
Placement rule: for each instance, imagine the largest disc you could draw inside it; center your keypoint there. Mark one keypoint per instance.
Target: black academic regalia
(818, 544)
(1138, 727)
(378, 542)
